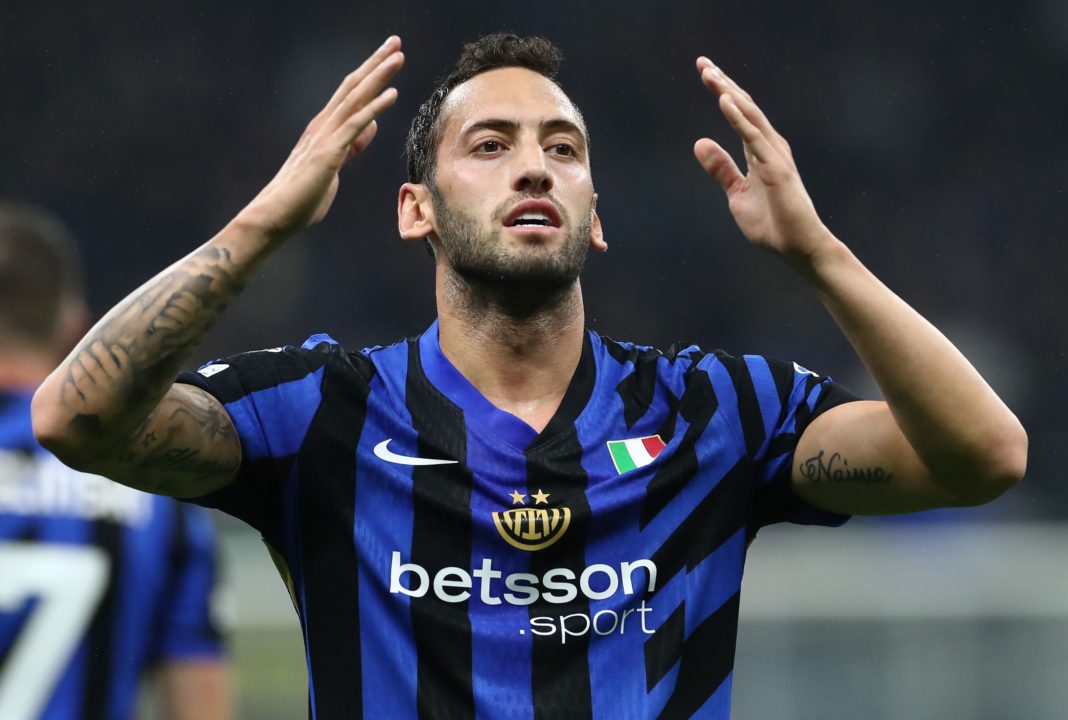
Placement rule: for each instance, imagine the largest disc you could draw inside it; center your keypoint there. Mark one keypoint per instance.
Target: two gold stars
(540, 498)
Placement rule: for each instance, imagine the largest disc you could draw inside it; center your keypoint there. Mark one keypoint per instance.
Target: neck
(519, 352)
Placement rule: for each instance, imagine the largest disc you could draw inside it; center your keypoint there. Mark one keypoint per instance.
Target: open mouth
(533, 214)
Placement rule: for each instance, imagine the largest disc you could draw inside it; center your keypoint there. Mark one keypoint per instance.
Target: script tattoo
(837, 469)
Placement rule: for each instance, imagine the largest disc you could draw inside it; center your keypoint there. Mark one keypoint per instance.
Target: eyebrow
(512, 126)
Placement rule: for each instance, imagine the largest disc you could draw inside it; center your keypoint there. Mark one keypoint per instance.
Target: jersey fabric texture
(97, 583)
(447, 561)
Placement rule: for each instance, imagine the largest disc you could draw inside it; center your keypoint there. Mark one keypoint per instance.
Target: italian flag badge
(634, 453)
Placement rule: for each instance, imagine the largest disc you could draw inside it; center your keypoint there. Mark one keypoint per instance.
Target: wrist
(820, 257)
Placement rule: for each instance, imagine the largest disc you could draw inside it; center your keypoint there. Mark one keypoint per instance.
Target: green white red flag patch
(634, 453)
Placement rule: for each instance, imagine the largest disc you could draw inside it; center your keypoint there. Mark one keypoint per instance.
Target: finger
(352, 129)
(754, 138)
(706, 67)
(368, 88)
(717, 82)
(363, 139)
(718, 163)
(354, 78)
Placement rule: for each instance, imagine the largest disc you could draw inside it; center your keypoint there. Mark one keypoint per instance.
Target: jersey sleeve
(777, 400)
(189, 625)
(272, 397)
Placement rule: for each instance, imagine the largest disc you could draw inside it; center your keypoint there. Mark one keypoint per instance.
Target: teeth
(532, 218)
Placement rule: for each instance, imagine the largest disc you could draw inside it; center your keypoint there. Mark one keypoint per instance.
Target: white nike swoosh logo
(383, 453)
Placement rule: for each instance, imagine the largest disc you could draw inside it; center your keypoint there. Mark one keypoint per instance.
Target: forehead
(506, 93)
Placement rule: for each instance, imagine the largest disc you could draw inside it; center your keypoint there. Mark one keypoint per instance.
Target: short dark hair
(38, 272)
(489, 52)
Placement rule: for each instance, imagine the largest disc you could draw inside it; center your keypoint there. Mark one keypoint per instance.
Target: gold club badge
(532, 528)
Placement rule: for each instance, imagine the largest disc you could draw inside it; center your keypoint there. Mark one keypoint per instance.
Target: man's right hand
(304, 188)
(112, 407)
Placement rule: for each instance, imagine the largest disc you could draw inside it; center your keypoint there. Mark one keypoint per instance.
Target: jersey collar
(479, 411)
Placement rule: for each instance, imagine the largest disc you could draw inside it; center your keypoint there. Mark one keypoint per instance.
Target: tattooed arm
(943, 436)
(111, 407)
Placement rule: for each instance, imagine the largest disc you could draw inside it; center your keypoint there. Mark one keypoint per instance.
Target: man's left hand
(769, 202)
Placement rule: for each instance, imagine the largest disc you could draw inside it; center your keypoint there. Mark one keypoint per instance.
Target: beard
(523, 281)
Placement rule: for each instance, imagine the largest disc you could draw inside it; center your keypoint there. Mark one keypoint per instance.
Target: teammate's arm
(943, 437)
(196, 690)
(111, 407)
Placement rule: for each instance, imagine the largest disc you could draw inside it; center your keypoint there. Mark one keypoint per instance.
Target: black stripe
(718, 516)
(441, 537)
(560, 683)
(697, 406)
(261, 370)
(752, 420)
(636, 389)
(783, 375)
(100, 640)
(575, 399)
(706, 660)
(326, 473)
(560, 675)
(663, 648)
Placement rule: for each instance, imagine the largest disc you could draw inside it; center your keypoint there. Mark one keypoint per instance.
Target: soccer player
(99, 583)
(511, 516)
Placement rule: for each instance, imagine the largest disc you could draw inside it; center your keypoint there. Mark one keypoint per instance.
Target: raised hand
(304, 188)
(769, 202)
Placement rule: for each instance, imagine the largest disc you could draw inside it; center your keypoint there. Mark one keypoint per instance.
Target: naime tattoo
(837, 469)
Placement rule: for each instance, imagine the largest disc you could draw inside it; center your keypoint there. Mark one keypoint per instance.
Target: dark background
(931, 137)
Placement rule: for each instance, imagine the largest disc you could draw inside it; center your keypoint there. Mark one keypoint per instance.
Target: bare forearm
(121, 370)
(197, 691)
(951, 417)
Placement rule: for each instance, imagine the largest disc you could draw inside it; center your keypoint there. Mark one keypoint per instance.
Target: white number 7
(69, 580)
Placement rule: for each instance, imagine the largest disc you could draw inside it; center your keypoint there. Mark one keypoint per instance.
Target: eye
(562, 149)
(489, 146)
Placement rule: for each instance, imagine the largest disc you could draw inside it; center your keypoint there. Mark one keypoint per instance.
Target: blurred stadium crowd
(930, 135)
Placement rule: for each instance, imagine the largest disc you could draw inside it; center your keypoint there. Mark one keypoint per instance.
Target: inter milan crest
(532, 528)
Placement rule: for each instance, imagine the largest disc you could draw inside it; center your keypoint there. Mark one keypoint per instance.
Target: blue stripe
(718, 578)
(719, 449)
(767, 397)
(273, 422)
(502, 645)
(384, 505)
(617, 688)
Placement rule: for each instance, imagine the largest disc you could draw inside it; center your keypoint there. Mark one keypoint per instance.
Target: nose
(531, 173)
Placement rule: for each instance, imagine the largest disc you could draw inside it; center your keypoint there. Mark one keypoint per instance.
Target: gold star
(540, 498)
(517, 498)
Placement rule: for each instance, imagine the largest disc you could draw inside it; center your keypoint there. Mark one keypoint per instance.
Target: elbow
(68, 438)
(1002, 466)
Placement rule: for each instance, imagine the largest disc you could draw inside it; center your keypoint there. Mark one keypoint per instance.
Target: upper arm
(186, 447)
(854, 459)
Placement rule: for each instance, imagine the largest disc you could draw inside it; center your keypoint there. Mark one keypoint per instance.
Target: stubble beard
(521, 282)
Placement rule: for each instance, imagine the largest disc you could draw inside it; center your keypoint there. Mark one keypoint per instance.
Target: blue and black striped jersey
(98, 582)
(448, 561)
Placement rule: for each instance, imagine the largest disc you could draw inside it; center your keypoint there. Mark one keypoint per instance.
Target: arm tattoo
(188, 438)
(129, 360)
(837, 469)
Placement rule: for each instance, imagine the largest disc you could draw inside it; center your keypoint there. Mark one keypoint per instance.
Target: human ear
(415, 212)
(596, 231)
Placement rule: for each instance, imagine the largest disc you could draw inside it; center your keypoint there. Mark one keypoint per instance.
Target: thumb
(717, 162)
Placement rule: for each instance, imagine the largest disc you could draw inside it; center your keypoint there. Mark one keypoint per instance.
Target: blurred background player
(100, 583)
